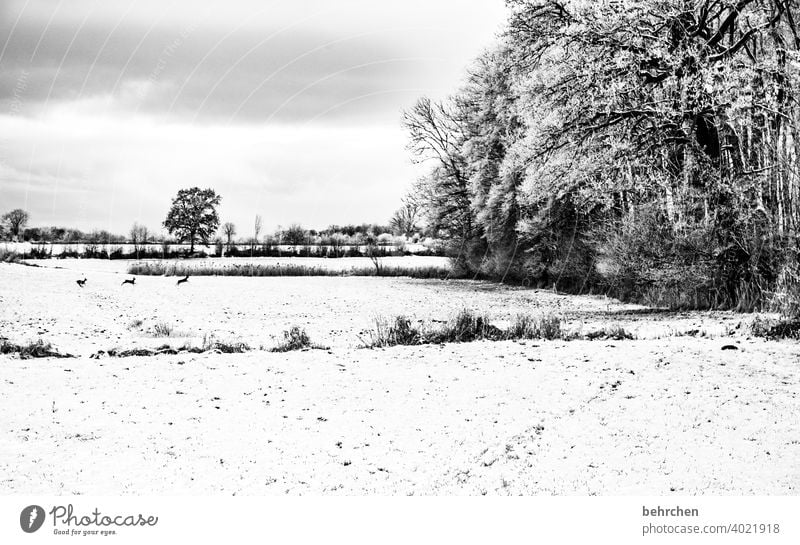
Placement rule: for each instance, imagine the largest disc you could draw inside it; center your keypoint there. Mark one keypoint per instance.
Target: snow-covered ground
(664, 414)
(335, 264)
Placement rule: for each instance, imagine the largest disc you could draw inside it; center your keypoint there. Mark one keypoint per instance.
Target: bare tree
(257, 227)
(436, 134)
(256, 233)
(404, 221)
(229, 230)
(16, 221)
(139, 235)
(373, 251)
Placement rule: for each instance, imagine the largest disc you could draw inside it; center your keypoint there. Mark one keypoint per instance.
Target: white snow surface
(665, 414)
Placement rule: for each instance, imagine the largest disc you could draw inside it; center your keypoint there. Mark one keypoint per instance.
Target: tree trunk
(688, 154)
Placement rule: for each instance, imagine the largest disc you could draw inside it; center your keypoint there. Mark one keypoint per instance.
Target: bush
(644, 260)
(786, 298)
(703, 265)
(775, 329)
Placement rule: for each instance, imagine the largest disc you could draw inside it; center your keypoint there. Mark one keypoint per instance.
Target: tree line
(193, 219)
(642, 148)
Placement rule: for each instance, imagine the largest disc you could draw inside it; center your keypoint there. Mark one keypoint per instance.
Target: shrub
(697, 266)
(644, 260)
(786, 299)
(775, 329)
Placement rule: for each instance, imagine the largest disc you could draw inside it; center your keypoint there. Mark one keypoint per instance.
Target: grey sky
(289, 109)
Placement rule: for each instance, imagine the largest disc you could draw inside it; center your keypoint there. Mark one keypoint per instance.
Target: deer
(182, 280)
(131, 281)
(81, 282)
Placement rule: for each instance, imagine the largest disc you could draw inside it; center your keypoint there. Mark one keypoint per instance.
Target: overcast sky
(288, 109)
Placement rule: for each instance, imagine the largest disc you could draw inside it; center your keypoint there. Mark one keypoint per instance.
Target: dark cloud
(204, 73)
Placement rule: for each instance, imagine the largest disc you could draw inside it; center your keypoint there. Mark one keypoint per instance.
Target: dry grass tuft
(291, 269)
(400, 331)
(210, 343)
(296, 338)
(526, 326)
(163, 329)
(466, 326)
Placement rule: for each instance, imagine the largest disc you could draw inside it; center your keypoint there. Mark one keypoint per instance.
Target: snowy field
(669, 413)
(119, 266)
